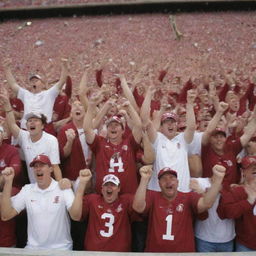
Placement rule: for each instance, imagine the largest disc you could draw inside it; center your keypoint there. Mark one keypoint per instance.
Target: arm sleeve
(18, 201)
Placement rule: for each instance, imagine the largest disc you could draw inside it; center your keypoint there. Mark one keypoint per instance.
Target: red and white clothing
(119, 160)
(47, 145)
(9, 157)
(214, 229)
(173, 154)
(48, 220)
(109, 225)
(40, 102)
(228, 160)
(80, 154)
(234, 205)
(170, 223)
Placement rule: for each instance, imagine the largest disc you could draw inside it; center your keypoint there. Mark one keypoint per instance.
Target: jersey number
(168, 235)
(109, 224)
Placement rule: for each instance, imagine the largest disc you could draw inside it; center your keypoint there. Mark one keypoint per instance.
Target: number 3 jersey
(119, 160)
(109, 225)
(170, 227)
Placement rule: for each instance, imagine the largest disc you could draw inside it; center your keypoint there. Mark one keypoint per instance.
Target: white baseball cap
(111, 178)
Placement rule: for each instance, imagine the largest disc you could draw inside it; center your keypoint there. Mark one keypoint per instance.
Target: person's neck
(78, 123)
(116, 141)
(36, 137)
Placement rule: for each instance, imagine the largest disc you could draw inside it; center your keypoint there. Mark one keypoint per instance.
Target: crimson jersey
(234, 205)
(9, 157)
(8, 228)
(228, 160)
(109, 225)
(75, 162)
(119, 160)
(170, 226)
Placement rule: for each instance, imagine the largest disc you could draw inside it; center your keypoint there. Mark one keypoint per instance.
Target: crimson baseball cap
(36, 115)
(111, 178)
(169, 115)
(41, 159)
(167, 170)
(115, 119)
(219, 130)
(248, 161)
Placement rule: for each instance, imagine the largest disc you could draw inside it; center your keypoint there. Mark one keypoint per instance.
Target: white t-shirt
(214, 229)
(47, 145)
(194, 148)
(48, 220)
(41, 102)
(173, 154)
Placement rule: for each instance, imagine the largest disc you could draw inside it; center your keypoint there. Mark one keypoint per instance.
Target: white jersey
(41, 102)
(214, 229)
(48, 220)
(47, 145)
(173, 154)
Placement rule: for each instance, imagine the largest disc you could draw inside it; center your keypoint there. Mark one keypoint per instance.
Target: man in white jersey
(171, 147)
(34, 141)
(36, 98)
(46, 205)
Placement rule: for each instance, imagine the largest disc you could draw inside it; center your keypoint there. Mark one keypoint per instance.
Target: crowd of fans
(152, 164)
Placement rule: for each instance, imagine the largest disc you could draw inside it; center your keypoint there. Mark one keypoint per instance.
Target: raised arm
(128, 93)
(190, 117)
(208, 199)
(9, 76)
(63, 74)
(75, 211)
(250, 129)
(139, 202)
(14, 128)
(145, 115)
(7, 211)
(88, 120)
(137, 125)
(214, 122)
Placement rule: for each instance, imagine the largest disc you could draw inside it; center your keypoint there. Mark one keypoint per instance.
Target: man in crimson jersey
(171, 213)
(115, 154)
(238, 202)
(109, 214)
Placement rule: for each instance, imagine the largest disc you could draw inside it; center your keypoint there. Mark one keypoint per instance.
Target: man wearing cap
(34, 141)
(171, 147)
(109, 214)
(170, 212)
(115, 154)
(238, 202)
(36, 98)
(218, 149)
(46, 204)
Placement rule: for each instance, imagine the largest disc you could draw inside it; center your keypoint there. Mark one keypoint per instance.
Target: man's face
(169, 128)
(77, 111)
(234, 103)
(168, 184)
(35, 126)
(36, 85)
(42, 174)
(250, 174)
(110, 192)
(217, 142)
(114, 131)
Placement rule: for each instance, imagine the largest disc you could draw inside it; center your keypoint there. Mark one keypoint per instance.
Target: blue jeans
(242, 248)
(204, 246)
